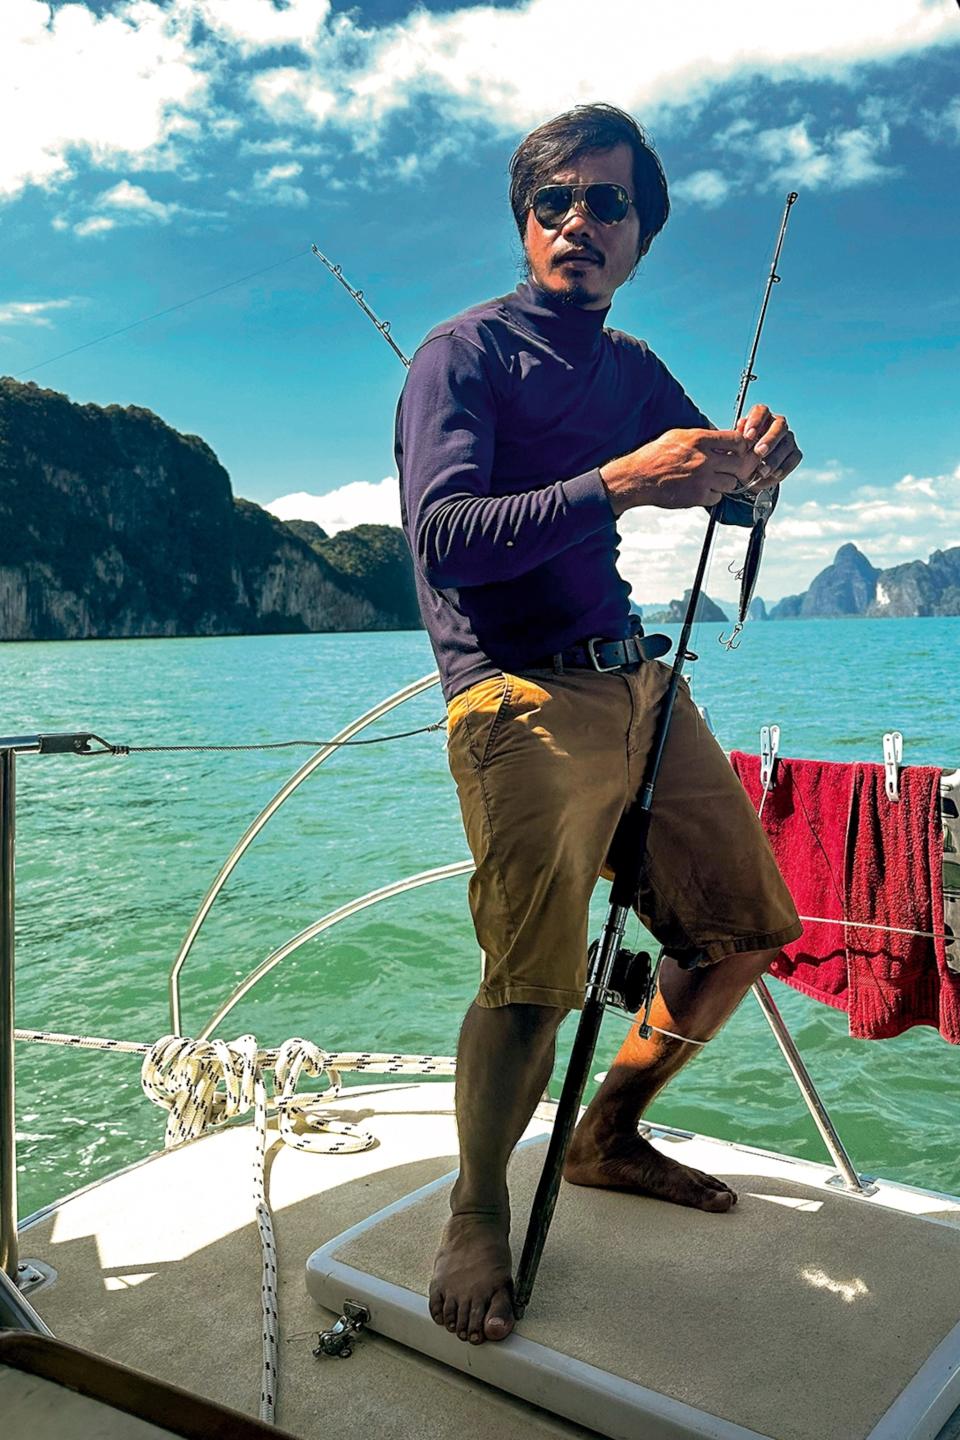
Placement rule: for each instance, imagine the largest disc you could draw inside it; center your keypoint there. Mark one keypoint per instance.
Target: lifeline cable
(111, 749)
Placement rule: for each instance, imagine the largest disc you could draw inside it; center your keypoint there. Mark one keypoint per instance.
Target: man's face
(581, 260)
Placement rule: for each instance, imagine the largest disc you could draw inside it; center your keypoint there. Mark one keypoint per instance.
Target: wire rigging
(158, 314)
(110, 749)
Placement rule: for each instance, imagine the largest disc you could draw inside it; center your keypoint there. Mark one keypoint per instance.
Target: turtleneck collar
(570, 329)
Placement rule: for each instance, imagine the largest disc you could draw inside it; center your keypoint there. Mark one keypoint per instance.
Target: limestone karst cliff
(852, 587)
(114, 524)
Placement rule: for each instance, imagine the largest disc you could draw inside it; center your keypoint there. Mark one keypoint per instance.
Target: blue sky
(157, 149)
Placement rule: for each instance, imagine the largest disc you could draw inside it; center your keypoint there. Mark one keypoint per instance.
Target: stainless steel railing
(266, 814)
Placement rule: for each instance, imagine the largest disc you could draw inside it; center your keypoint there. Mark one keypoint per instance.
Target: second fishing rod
(615, 975)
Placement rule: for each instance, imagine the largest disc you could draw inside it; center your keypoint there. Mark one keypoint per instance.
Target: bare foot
(471, 1292)
(633, 1164)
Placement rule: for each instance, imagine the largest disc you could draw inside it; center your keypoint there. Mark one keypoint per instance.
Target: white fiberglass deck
(159, 1268)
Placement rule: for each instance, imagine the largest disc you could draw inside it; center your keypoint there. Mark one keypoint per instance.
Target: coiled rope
(204, 1083)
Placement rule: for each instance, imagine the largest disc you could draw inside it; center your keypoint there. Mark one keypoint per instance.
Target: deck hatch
(803, 1314)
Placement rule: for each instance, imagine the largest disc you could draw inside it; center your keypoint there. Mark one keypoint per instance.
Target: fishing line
(158, 314)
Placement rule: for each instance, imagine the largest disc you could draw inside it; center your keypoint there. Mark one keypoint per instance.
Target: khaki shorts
(545, 765)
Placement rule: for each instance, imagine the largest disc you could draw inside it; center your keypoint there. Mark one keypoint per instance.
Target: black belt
(596, 653)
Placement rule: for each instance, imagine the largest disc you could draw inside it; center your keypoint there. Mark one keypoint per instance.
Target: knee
(751, 962)
(536, 1023)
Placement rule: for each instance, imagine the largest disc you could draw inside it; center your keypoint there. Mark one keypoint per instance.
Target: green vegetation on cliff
(112, 524)
(374, 560)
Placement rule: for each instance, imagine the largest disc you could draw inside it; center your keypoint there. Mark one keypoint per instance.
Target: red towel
(846, 850)
(805, 817)
(894, 876)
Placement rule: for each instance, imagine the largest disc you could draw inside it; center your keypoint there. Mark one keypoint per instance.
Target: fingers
(755, 422)
(723, 442)
(775, 448)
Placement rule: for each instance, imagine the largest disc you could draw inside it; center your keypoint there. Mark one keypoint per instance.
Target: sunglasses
(607, 203)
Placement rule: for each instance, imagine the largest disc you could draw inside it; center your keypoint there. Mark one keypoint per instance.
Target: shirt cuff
(588, 495)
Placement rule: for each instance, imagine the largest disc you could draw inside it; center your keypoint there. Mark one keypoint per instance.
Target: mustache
(578, 252)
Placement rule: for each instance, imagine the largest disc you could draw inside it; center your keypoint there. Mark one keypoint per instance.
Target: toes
(500, 1317)
(435, 1302)
(713, 1183)
(717, 1196)
(718, 1201)
(475, 1322)
(691, 1187)
(450, 1308)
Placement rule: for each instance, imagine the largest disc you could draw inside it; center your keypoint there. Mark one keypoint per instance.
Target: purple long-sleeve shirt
(508, 411)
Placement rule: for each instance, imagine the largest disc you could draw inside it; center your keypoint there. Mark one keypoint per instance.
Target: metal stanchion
(9, 1251)
(23, 1276)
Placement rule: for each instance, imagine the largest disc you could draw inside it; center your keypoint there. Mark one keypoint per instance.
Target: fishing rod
(763, 504)
(382, 325)
(615, 975)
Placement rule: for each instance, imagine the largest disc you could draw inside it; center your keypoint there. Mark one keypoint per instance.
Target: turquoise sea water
(114, 856)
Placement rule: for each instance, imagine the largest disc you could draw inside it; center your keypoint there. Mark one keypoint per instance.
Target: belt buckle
(590, 646)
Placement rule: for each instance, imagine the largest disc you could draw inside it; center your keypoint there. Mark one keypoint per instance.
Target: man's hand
(774, 449)
(683, 469)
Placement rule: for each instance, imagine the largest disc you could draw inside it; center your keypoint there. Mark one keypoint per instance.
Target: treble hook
(731, 642)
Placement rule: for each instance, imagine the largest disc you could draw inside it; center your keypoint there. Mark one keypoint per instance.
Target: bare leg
(504, 1061)
(606, 1149)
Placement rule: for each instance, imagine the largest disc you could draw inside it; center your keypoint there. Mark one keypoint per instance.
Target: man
(524, 430)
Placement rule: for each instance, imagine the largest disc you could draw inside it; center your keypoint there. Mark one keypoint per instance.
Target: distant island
(112, 524)
(852, 587)
(849, 588)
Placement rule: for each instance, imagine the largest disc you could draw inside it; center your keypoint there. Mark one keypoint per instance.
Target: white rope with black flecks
(203, 1083)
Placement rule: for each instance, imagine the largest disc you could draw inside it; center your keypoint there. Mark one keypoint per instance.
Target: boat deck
(159, 1268)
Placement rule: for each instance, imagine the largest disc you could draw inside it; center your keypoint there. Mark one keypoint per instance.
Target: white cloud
(73, 82)
(96, 225)
(703, 187)
(134, 83)
(512, 67)
(135, 200)
(129, 204)
(257, 24)
(361, 503)
(275, 183)
(831, 473)
(30, 312)
(890, 524)
(294, 96)
(943, 124)
(841, 159)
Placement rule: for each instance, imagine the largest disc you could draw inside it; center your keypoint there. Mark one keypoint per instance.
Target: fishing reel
(633, 979)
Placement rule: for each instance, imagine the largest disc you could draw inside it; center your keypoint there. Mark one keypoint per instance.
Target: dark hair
(554, 145)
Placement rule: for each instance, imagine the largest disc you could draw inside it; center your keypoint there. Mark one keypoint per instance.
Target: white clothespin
(892, 760)
(769, 745)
